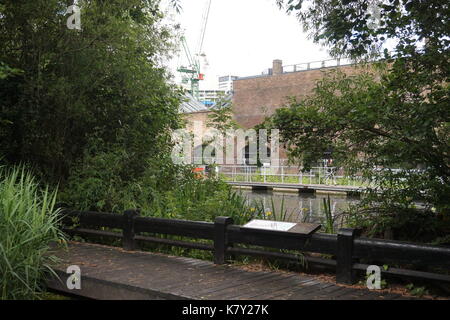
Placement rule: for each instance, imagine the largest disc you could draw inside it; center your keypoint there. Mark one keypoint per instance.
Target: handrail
(346, 247)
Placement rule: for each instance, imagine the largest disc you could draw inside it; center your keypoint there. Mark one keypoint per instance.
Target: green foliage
(200, 200)
(388, 221)
(221, 116)
(348, 27)
(393, 114)
(417, 291)
(372, 126)
(6, 71)
(168, 191)
(271, 212)
(97, 90)
(27, 226)
(369, 126)
(329, 220)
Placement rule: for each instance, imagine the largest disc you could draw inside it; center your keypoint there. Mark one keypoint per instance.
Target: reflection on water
(301, 207)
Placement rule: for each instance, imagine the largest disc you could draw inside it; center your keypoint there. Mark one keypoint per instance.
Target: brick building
(256, 97)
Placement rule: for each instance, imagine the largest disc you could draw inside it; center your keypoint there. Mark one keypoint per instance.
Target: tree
(393, 114)
(361, 27)
(85, 92)
(221, 116)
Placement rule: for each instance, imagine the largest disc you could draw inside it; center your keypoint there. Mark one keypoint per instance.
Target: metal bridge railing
(290, 175)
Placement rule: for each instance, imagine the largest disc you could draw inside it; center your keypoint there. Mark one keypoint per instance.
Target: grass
(329, 220)
(272, 212)
(28, 223)
(198, 200)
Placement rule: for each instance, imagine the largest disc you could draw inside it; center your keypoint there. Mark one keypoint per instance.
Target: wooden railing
(346, 249)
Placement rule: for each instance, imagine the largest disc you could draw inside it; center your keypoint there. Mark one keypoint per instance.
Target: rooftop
(305, 66)
(190, 104)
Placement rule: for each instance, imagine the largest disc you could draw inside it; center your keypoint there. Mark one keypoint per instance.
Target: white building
(226, 83)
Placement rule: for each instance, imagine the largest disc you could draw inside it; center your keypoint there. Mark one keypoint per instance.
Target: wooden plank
(309, 261)
(196, 283)
(333, 293)
(304, 291)
(113, 273)
(266, 290)
(391, 296)
(399, 251)
(95, 288)
(142, 274)
(219, 291)
(194, 229)
(231, 282)
(200, 283)
(249, 289)
(408, 274)
(369, 295)
(323, 243)
(281, 293)
(91, 233)
(176, 243)
(94, 219)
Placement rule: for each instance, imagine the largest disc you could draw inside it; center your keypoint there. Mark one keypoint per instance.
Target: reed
(329, 220)
(28, 223)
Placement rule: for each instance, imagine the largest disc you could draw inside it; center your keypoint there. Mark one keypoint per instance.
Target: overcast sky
(243, 37)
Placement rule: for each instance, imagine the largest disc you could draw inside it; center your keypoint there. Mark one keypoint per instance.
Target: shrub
(163, 189)
(27, 226)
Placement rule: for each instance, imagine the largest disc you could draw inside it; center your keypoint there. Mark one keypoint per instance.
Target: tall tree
(84, 91)
(395, 117)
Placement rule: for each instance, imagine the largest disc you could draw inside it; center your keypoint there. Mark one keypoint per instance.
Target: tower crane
(192, 72)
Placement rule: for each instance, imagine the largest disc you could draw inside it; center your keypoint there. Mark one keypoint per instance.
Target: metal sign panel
(270, 225)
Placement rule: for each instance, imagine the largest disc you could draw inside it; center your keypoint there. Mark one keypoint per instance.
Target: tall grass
(191, 199)
(28, 223)
(272, 212)
(329, 220)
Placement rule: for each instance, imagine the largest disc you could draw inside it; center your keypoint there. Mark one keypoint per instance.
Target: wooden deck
(112, 273)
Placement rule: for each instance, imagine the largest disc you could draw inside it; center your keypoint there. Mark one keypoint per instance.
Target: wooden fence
(345, 248)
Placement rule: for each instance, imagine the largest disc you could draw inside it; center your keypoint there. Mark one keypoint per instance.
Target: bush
(27, 226)
(398, 222)
(200, 200)
(162, 190)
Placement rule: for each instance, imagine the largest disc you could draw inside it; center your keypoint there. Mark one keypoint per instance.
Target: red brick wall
(255, 98)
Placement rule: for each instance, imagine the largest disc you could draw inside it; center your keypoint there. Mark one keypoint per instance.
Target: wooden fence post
(221, 238)
(128, 241)
(344, 260)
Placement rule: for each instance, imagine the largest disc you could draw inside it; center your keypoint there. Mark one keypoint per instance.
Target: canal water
(300, 207)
